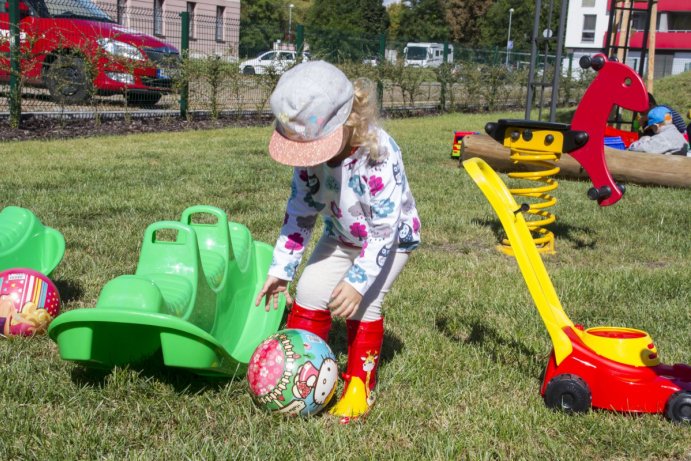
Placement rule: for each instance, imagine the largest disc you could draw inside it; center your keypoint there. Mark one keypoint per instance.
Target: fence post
(15, 68)
(382, 59)
(185, 54)
(443, 81)
(299, 41)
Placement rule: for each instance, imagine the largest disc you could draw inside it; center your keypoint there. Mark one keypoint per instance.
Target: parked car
(373, 60)
(276, 61)
(74, 49)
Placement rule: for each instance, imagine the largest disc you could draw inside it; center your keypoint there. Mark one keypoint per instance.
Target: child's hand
(345, 300)
(272, 287)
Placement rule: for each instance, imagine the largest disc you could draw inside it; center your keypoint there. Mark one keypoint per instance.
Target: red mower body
(617, 386)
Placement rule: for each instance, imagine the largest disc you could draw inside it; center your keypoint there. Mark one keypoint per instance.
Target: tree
(394, 10)
(463, 18)
(345, 29)
(424, 20)
(494, 23)
(374, 16)
(261, 23)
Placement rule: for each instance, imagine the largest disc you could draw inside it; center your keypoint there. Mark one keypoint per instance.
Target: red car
(75, 50)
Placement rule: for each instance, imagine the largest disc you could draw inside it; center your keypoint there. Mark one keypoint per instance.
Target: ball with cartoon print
(292, 372)
(29, 301)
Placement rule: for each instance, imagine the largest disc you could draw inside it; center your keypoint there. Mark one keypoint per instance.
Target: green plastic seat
(191, 299)
(176, 291)
(26, 242)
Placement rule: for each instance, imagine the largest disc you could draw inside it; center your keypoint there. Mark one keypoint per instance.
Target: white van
(426, 54)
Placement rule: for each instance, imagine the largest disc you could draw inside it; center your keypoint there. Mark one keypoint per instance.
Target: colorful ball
(29, 301)
(293, 372)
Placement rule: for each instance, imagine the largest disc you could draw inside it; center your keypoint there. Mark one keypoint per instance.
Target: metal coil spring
(538, 217)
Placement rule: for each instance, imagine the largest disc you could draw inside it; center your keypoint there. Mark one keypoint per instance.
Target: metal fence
(75, 56)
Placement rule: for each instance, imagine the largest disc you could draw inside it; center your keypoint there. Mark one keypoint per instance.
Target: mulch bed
(49, 128)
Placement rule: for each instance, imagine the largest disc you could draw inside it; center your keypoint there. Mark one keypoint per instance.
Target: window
(638, 20)
(158, 17)
(190, 10)
(588, 3)
(679, 21)
(220, 12)
(589, 21)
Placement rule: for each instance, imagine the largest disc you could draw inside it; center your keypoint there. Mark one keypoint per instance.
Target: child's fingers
(343, 308)
(259, 298)
(289, 299)
(335, 302)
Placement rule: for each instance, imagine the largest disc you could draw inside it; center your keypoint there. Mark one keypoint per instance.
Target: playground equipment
(26, 242)
(293, 372)
(457, 142)
(537, 143)
(540, 144)
(611, 368)
(191, 298)
(640, 168)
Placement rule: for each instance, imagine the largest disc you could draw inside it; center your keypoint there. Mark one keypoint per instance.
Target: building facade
(214, 24)
(587, 26)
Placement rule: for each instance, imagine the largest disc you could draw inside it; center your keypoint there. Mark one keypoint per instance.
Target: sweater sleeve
(667, 141)
(382, 209)
(298, 223)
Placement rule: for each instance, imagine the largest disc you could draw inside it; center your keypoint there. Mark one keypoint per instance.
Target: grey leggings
(328, 265)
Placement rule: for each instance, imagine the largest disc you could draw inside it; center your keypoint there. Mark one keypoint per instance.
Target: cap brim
(296, 153)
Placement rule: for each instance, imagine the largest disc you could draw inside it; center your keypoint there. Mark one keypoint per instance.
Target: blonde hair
(34, 318)
(363, 118)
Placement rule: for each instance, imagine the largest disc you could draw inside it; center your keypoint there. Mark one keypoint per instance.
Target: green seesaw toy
(191, 298)
(25, 242)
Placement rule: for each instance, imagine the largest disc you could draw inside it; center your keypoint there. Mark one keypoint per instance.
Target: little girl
(351, 172)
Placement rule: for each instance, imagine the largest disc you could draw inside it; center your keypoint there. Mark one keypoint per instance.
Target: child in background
(351, 172)
(677, 119)
(663, 137)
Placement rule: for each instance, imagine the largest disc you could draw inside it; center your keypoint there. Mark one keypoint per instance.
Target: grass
(465, 347)
(675, 91)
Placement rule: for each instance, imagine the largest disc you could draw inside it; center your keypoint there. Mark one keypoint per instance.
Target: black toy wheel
(248, 70)
(67, 80)
(568, 393)
(678, 408)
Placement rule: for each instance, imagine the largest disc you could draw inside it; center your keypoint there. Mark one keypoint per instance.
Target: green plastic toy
(26, 243)
(191, 298)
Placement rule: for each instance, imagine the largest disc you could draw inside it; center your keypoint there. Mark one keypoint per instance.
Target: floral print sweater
(365, 204)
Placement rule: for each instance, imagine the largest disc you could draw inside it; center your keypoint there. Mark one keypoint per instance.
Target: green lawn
(465, 347)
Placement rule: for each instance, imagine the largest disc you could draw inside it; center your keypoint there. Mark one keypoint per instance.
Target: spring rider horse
(542, 143)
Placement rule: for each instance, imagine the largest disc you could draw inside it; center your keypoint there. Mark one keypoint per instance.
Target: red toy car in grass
(75, 50)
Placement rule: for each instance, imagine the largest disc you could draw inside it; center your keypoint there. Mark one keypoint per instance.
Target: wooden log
(624, 166)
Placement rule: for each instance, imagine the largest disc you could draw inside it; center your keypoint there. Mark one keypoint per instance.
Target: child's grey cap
(311, 103)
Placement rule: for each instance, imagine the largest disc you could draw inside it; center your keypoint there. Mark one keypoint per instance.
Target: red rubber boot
(314, 321)
(364, 349)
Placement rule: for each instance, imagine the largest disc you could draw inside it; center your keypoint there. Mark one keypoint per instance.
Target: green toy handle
(221, 217)
(184, 232)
